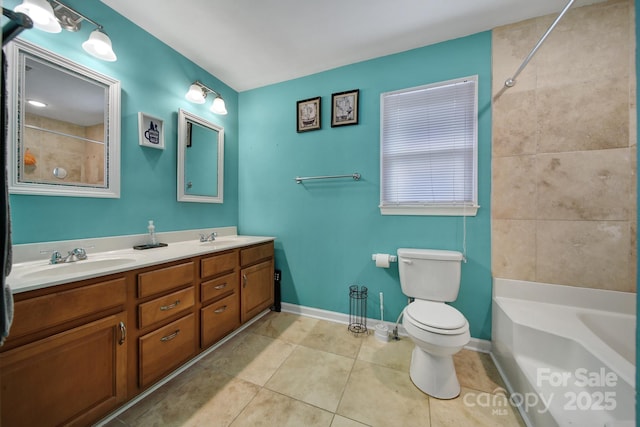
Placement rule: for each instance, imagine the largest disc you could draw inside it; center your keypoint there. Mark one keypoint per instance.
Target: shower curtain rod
(510, 82)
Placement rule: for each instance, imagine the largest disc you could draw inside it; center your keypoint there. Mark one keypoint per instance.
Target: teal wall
(328, 230)
(154, 79)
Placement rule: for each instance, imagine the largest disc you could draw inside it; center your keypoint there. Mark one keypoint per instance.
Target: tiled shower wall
(564, 150)
(83, 160)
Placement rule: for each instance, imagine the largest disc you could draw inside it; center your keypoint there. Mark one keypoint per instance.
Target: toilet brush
(382, 330)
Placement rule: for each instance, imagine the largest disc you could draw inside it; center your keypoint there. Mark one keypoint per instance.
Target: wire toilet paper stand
(358, 309)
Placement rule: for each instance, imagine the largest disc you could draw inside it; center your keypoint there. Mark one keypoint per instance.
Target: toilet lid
(436, 315)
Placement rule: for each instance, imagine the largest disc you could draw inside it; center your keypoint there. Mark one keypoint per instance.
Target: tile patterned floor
(289, 370)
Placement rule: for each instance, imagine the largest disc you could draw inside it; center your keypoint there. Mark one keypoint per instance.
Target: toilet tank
(430, 274)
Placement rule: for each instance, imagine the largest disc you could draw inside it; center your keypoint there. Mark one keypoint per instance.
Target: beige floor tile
(474, 408)
(334, 338)
(339, 421)
(163, 393)
(395, 354)
(253, 358)
(313, 376)
(285, 326)
(210, 399)
(272, 409)
(380, 396)
(256, 379)
(477, 371)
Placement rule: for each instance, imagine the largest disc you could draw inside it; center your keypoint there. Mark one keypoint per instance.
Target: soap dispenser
(152, 233)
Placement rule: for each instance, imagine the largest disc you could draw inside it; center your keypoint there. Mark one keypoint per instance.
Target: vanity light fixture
(197, 94)
(52, 16)
(41, 13)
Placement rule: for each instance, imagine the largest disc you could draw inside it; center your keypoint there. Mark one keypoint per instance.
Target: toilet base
(434, 375)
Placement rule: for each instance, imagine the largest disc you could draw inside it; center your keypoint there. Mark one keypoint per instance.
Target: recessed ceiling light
(36, 103)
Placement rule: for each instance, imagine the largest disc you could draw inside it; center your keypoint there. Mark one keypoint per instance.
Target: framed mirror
(64, 124)
(200, 159)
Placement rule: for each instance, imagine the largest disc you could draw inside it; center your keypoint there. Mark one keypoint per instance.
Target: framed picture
(308, 114)
(344, 108)
(151, 131)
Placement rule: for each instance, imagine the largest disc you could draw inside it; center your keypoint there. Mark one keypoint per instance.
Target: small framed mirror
(64, 121)
(200, 159)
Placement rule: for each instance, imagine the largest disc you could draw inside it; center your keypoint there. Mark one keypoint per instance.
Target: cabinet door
(72, 378)
(257, 289)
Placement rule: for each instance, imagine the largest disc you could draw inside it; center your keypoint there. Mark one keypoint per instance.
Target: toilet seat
(436, 317)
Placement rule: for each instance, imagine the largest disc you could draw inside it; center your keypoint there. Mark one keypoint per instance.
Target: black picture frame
(308, 113)
(344, 108)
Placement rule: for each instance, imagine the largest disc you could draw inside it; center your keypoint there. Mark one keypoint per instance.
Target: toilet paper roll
(382, 260)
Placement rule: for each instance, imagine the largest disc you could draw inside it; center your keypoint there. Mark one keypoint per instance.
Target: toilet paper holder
(392, 258)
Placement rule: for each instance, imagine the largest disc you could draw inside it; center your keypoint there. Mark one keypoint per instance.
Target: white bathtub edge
(544, 314)
(597, 299)
(510, 390)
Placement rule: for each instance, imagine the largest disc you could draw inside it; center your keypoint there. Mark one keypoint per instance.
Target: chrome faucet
(208, 238)
(78, 254)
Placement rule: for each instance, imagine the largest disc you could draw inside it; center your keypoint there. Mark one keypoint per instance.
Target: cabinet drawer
(166, 348)
(256, 253)
(43, 312)
(219, 318)
(212, 289)
(164, 307)
(164, 279)
(218, 264)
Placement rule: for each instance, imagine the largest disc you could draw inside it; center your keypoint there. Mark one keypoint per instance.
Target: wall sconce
(52, 16)
(197, 94)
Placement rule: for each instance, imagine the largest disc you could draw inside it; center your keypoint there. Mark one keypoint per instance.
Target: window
(428, 149)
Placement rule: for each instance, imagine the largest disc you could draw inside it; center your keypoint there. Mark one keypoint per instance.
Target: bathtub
(567, 354)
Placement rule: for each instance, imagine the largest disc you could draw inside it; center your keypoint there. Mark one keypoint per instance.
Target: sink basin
(229, 240)
(234, 239)
(53, 270)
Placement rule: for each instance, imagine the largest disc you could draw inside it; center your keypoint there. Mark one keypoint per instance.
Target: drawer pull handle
(244, 280)
(170, 306)
(222, 286)
(170, 336)
(220, 310)
(123, 333)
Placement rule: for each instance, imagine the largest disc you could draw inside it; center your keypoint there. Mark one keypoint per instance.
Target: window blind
(429, 145)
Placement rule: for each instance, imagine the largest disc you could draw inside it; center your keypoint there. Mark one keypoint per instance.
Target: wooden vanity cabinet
(219, 296)
(78, 351)
(166, 333)
(67, 364)
(256, 277)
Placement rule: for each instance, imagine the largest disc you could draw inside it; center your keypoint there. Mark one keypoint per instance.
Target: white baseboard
(475, 344)
(333, 316)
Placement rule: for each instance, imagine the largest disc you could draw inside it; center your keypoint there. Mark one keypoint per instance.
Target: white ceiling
(253, 43)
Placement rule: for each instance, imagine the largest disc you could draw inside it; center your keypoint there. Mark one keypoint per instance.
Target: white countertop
(30, 275)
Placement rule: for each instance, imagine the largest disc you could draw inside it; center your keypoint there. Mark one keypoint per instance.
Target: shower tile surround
(291, 370)
(564, 150)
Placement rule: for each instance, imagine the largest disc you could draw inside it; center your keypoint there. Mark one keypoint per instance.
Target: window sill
(430, 210)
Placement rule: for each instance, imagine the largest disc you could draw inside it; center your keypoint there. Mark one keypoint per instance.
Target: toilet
(432, 277)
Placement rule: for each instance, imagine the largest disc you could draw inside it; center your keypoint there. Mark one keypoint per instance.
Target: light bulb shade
(196, 94)
(218, 106)
(99, 45)
(41, 13)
